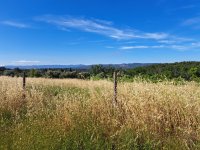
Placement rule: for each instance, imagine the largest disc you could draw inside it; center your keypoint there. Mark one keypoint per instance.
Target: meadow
(79, 114)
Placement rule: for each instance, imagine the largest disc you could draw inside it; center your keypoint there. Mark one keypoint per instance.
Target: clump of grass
(78, 114)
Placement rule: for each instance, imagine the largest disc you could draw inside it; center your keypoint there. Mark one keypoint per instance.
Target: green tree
(96, 69)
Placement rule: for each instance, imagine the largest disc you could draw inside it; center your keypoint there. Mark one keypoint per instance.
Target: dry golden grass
(57, 113)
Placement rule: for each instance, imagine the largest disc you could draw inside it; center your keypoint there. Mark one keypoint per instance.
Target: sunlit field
(79, 114)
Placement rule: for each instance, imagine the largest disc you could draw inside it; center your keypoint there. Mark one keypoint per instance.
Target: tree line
(189, 71)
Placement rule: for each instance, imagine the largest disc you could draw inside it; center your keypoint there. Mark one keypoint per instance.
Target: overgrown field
(78, 114)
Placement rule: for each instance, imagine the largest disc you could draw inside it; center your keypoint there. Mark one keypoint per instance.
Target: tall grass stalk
(78, 114)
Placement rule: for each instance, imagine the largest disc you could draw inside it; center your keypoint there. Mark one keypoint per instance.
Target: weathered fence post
(24, 80)
(24, 86)
(115, 88)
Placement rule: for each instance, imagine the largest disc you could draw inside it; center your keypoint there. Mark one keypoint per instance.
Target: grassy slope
(77, 114)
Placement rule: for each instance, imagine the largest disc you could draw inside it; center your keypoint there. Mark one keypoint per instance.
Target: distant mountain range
(126, 66)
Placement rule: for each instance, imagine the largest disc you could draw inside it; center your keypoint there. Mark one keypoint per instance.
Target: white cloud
(107, 28)
(167, 41)
(190, 46)
(26, 62)
(185, 47)
(141, 47)
(158, 46)
(94, 26)
(101, 27)
(14, 24)
(133, 47)
(156, 36)
(196, 44)
(179, 47)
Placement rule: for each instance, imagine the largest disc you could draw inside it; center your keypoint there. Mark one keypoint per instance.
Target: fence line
(114, 80)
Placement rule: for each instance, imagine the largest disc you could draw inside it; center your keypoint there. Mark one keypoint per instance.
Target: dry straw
(161, 110)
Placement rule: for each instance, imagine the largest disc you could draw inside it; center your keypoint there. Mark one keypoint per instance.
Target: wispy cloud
(196, 44)
(26, 62)
(14, 24)
(175, 40)
(156, 36)
(101, 27)
(185, 47)
(167, 41)
(188, 6)
(140, 47)
(182, 8)
(193, 22)
(87, 25)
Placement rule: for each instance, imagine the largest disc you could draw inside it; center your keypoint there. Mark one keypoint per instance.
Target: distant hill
(48, 66)
(125, 66)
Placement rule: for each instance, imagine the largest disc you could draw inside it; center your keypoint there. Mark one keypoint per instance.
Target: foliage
(189, 71)
(186, 70)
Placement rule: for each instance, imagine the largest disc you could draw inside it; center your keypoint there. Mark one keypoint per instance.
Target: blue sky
(35, 32)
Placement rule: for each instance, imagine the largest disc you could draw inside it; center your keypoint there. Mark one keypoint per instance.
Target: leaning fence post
(115, 88)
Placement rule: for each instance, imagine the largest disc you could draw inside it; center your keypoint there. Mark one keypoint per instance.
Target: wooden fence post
(115, 88)
(24, 86)
(24, 80)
